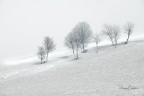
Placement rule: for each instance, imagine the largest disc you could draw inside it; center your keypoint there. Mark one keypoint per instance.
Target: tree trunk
(127, 39)
(41, 61)
(73, 51)
(47, 56)
(83, 47)
(77, 53)
(111, 41)
(115, 43)
(96, 48)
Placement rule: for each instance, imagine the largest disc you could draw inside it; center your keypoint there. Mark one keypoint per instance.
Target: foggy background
(24, 23)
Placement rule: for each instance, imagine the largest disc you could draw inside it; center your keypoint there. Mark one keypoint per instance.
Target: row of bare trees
(82, 34)
(43, 51)
(113, 32)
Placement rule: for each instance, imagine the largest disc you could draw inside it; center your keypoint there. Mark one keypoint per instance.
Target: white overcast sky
(24, 23)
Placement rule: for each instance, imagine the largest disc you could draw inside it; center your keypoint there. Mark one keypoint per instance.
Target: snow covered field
(113, 72)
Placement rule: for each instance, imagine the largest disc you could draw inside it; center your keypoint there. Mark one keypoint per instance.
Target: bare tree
(77, 39)
(116, 34)
(69, 42)
(97, 40)
(41, 53)
(108, 30)
(77, 42)
(85, 33)
(81, 34)
(48, 45)
(128, 30)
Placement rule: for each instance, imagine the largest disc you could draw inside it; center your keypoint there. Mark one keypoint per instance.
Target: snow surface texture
(112, 72)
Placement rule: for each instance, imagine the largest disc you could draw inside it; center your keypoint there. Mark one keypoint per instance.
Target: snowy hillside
(113, 72)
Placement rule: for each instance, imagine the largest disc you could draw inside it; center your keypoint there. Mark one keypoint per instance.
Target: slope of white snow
(112, 72)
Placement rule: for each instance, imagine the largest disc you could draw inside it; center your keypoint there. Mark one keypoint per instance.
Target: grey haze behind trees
(49, 45)
(128, 30)
(41, 53)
